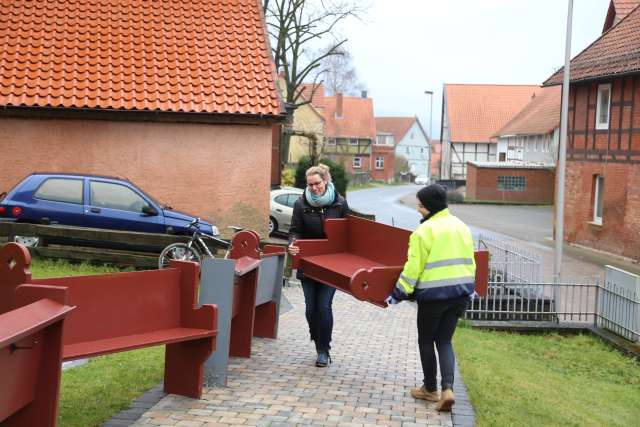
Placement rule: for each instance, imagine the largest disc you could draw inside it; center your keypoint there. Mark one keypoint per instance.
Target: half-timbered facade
(602, 188)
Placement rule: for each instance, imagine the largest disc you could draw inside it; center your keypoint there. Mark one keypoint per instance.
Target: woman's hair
(322, 170)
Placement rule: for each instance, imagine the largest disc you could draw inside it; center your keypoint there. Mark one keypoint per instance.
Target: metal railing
(511, 262)
(516, 293)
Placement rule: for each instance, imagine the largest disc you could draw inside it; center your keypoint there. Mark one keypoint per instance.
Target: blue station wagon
(92, 201)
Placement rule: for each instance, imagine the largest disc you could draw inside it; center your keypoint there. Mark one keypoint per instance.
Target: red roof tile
(356, 121)
(477, 112)
(204, 56)
(539, 117)
(615, 52)
(397, 126)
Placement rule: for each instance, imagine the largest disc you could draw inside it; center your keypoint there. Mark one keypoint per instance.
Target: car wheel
(273, 225)
(28, 241)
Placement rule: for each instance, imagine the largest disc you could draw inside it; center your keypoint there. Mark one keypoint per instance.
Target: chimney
(364, 94)
(339, 105)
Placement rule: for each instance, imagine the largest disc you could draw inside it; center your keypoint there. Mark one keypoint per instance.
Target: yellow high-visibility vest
(440, 262)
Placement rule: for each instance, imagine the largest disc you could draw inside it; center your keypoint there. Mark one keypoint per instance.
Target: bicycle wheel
(178, 251)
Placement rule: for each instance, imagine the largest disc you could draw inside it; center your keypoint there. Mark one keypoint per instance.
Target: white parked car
(281, 208)
(422, 180)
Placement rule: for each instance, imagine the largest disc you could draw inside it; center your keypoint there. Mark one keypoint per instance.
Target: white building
(532, 135)
(471, 115)
(411, 141)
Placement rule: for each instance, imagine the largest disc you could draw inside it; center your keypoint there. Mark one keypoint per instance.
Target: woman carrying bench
(319, 201)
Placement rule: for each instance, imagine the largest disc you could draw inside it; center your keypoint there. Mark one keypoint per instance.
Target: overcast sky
(404, 47)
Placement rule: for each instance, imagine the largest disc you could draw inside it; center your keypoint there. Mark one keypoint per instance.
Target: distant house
(510, 182)
(384, 156)
(411, 141)
(471, 115)
(532, 135)
(436, 158)
(350, 131)
(172, 95)
(602, 187)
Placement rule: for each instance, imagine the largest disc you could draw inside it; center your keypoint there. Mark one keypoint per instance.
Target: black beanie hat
(433, 197)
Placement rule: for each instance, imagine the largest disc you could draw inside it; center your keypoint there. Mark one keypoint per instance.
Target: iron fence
(517, 293)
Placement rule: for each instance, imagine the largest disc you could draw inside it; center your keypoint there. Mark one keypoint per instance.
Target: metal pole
(430, 93)
(562, 158)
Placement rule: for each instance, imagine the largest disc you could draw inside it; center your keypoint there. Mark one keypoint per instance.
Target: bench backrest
(378, 242)
(120, 304)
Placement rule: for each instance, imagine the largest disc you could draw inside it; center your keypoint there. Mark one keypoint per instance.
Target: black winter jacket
(306, 222)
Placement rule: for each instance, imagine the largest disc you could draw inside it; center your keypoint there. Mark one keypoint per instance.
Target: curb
(137, 408)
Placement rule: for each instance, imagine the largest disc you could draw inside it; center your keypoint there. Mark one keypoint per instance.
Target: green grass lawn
(91, 394)
(547, 380)
(45, 268)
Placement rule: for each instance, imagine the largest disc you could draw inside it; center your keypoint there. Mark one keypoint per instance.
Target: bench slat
(131, 342)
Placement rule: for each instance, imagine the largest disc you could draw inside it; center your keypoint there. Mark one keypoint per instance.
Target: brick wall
(620, 229)
(218, 172)
(612, 153)
(482, 185)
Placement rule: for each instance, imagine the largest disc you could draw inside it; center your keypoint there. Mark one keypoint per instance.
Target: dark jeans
(318, 299)
(437, 322)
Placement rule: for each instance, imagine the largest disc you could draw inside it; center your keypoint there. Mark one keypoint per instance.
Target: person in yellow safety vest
(440, 275)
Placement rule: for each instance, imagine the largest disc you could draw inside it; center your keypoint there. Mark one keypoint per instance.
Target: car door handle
(95, 210)
(278, 210)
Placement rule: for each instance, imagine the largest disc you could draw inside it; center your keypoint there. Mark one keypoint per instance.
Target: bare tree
(339, 73)
(295, 27)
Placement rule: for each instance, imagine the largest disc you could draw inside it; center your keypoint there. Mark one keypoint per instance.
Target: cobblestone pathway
(375, 362)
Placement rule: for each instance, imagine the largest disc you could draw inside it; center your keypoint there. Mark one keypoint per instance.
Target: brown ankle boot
(447, 400)
(422, 393)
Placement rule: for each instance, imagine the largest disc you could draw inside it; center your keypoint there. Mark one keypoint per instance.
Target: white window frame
(599, 124)
(379, 163)
(598, 196)
(357, 162)
(353, 141)
(331, 141)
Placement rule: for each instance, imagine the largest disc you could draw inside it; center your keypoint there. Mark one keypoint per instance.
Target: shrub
(338, 174)
(289, 177)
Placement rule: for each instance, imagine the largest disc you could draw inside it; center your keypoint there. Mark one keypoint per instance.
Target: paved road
(530, 227)
(387, 205)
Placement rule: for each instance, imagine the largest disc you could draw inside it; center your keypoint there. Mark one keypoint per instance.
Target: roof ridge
(490, 84)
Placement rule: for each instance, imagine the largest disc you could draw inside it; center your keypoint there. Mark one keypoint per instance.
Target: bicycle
(195, 248)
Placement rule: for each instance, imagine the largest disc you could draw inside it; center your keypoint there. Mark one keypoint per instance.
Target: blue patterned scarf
(321, 201)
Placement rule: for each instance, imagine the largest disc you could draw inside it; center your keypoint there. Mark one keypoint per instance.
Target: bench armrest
(25, 321)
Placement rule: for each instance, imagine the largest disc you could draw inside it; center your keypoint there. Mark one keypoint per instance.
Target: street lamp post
(430, 94)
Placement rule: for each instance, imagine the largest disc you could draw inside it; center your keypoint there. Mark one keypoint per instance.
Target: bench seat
(131, 342)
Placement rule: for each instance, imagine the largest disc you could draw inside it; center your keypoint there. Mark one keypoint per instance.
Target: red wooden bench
(364, 258)
(125, 311)
(30, 359)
